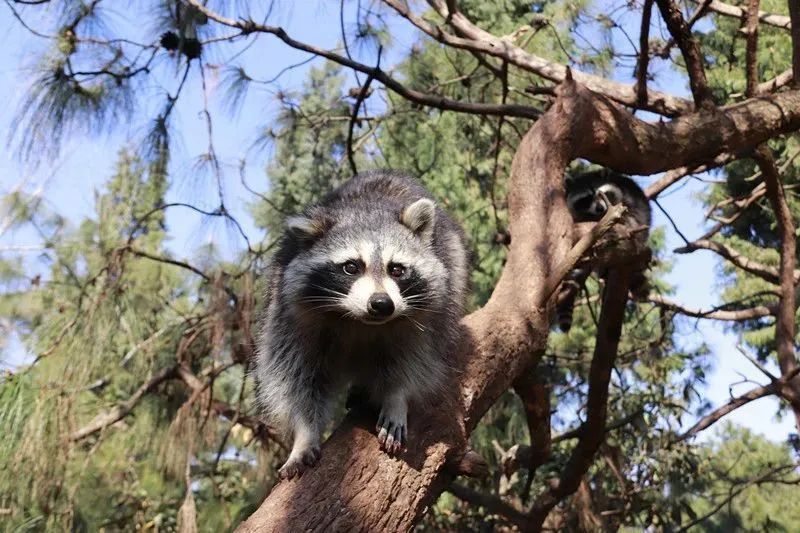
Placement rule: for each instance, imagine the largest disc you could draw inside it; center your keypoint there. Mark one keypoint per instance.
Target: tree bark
(358, 487)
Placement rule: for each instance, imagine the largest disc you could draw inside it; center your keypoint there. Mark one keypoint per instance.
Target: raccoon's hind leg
(393, 421)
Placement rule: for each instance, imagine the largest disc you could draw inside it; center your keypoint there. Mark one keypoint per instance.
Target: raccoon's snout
(380, 305)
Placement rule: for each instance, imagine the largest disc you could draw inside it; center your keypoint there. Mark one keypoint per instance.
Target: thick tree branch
(644, 54)
(751, 47)
(794, 15)
(609, 329)
(690, 48)
(779, 21)
(785, 325)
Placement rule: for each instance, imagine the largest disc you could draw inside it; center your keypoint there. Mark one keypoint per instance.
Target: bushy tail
(566, 297)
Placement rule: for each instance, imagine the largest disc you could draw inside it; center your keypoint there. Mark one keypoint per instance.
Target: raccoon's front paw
(299, 462)
(391, 430)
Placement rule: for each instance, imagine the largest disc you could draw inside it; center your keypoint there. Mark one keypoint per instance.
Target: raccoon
(587, 194)
(366, 289)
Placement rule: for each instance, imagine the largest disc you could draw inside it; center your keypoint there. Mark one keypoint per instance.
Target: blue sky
(68, 183)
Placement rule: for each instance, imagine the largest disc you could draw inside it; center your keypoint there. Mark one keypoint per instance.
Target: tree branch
(471, 37)
(123, 409)
(733, 493)
(779, 21)
(794, 16)
(197, 386)
(717, 414)
(430, 100)
(690, 48)
(736, 315)
(491, 503)
(583, 245)
(677, 174)
(520, 455)
(644, 54)
(785, 325)
(751, 47)
(609, 328)
(535, 396)
(764, 272)
(781, 80)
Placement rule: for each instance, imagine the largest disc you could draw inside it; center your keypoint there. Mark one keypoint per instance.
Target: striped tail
(567, 294)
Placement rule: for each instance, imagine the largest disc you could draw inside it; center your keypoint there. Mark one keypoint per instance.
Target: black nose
(380, 304)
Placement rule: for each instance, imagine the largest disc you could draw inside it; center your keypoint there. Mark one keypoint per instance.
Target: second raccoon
(587, 194)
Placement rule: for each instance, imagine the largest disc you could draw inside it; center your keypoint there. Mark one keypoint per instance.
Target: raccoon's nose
(380, 304)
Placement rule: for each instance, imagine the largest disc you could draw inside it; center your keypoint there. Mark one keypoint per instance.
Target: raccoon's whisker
(321, 299)
(417, 301)
(417, 324)
(417, 296)
(426, 295)
(424, 309)
(411, 286)
(337, 293)
(325, 306)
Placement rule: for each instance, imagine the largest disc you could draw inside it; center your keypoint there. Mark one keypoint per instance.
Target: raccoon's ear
(419, 217)
(306, 228)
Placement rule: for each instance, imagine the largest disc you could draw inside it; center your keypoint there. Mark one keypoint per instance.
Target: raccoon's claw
(296, 465)
(391, 434)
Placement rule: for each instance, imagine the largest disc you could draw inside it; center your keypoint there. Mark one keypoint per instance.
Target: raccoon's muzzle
(380, 305)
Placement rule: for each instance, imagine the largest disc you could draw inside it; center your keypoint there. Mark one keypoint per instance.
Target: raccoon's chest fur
(360, 354)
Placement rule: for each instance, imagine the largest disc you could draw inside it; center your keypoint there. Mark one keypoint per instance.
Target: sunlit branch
(690, 49)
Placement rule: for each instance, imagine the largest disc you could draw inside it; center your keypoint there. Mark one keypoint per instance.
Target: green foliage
(309, 140)
(750, 479)
(102, 322)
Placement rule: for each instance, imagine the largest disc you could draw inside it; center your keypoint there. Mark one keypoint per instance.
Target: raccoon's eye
(351, 268)
(396, 271)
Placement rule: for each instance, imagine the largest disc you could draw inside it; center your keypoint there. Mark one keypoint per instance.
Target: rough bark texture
(356, 486)
(794, 15)
(609, 329)
(690, 48)
(785, 326)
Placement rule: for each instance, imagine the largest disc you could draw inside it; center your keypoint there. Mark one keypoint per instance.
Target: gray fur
(587, 204)
(587, 197)
(318, 334)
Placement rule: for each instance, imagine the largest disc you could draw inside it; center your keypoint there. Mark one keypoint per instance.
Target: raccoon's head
(588, 204)
(371, 265)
